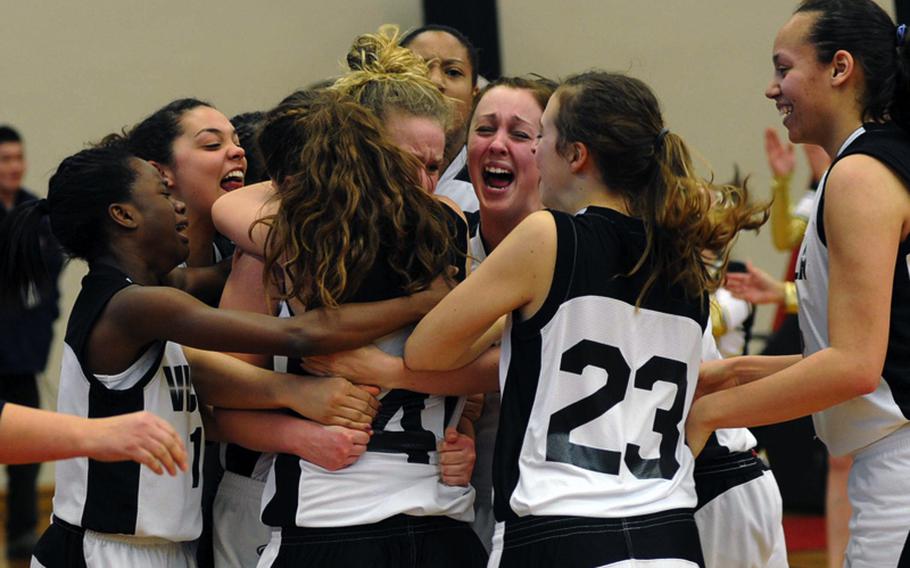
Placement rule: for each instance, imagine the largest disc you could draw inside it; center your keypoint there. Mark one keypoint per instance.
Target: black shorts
(715, 476)
(61, 546)
(583, 542)
(401, 541)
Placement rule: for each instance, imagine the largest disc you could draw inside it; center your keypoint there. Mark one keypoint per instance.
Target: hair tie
(659, 141)
(44, 206)
(901, 34)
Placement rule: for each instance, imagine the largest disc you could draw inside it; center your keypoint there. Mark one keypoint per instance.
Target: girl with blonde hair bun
(348, 219)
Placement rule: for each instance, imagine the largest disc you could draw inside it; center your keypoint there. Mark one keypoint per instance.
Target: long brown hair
(352, 195)
(618, 118)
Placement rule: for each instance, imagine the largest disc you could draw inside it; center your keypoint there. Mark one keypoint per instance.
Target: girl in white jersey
(121, 356)
(607, 310)
(841, 82)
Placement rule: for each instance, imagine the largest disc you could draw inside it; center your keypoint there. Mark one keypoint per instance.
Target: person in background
(453, 63)
(26, 331)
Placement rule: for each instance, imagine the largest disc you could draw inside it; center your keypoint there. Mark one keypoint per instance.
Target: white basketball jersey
(860, 421)
(594, 390)
(125, 497)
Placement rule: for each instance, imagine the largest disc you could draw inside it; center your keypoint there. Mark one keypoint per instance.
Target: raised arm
(864, 203)
(235, 212)
(786, 230)
(516, 276)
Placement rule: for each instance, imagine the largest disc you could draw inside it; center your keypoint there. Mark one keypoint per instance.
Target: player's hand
(332, 401)
(138, 436)
(697, 433)
(332, 447)
(456, 458)
(756, 286)
(367, 365)
(781, 157)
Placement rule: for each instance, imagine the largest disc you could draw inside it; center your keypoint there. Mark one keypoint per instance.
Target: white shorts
(101, 550)
(238, 536)
(879, 490)
(742, 526)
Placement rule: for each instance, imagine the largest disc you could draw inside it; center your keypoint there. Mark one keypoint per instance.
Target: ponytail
(22, 266)
(695, 219)
(618, 118)
(79, 194)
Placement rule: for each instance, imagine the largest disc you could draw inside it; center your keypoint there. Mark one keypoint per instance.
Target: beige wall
(708, 61)
(71, 72)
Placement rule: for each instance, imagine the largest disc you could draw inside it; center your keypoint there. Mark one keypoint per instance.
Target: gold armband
(718, 323)
(791, 301)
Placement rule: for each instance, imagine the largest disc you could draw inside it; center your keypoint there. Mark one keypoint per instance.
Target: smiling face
(800, 87)
(208, 160)
(421, 136)
(450, 70)
(501, 160)
(161, 220)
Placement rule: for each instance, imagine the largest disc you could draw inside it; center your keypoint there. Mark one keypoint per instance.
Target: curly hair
(358, 199)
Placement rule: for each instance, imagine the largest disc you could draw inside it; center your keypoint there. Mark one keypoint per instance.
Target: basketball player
(840, 82)
(608, 312)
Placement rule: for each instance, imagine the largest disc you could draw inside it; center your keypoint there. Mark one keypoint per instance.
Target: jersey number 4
(666, 422)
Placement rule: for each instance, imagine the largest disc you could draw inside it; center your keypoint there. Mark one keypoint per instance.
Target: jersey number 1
(595, 405)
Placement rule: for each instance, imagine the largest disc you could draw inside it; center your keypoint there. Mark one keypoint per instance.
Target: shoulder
(450, 204)
(541, 223)
(862, 176)
(536, 234)
(864, 200)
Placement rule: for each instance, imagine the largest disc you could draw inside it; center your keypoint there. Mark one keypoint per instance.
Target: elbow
(864, 378)
(866, 382)
(220, 210)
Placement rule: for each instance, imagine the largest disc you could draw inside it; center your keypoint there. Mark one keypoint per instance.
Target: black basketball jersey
(594, 390)
(860, 421)
(125, 497)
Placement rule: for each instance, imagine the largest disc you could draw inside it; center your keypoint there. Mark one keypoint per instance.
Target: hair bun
(381, 53)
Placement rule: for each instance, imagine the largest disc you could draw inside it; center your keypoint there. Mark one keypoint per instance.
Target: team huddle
(401, 319)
